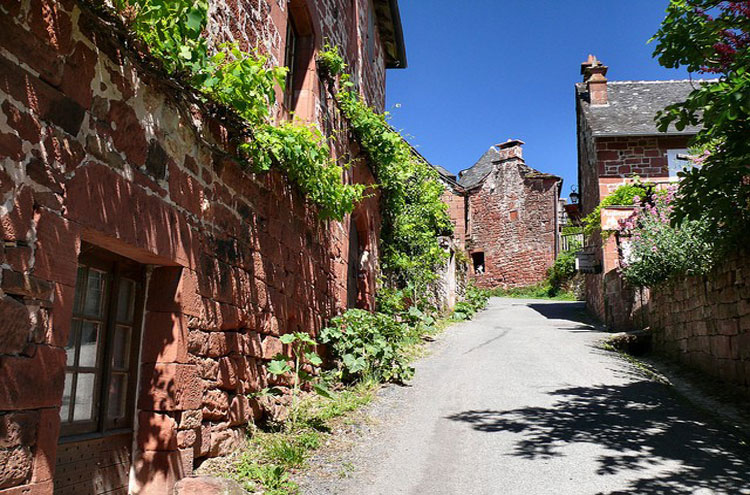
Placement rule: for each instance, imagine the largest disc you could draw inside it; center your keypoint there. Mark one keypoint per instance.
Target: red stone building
(511, 218)
(618, 141)
(145, 275)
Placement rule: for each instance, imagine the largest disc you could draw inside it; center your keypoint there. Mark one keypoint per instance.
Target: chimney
(510, 149)
(594, 73)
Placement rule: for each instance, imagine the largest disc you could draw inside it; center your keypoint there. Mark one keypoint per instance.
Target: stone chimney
(594, 75)
(510, 149)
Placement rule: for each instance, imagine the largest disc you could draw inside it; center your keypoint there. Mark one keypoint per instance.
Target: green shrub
(474, 300)
(660, 250)
(564, 269)
(369, 346)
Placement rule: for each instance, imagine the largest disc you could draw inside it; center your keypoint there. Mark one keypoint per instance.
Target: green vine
(173, 31)
(414, 215)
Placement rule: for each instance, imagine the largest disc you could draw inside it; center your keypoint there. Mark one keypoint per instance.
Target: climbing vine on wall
(413, 214)
(245, 82)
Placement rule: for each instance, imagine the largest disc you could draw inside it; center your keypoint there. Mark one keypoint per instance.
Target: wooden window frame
(291, 62)
(117, 269)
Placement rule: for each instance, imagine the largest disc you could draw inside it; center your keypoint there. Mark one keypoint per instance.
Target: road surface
(522, 401)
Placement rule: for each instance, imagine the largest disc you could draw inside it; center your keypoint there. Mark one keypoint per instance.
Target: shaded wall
(704, 322)
(94, 149)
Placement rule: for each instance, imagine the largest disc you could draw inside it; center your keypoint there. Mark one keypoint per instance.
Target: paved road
(521, 401)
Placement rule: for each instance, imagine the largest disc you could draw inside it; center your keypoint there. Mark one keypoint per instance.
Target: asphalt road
(522, 401)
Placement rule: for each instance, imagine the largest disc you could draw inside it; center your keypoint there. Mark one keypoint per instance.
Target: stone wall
(604, 164)
(704, 322)
(96, 149)
(513, 222)
(456, 202)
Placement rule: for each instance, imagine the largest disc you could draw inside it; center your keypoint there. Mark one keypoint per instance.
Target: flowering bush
(657, 250)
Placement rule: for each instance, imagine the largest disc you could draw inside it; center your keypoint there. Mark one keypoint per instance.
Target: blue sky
(483, 71)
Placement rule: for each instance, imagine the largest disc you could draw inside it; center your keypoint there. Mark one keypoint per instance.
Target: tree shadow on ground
(643, 422)
(573, 313)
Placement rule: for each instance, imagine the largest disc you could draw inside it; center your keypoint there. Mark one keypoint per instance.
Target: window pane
(82, 407)
(117, 393)
(80, 284)
(95, 291)
(70, 347)
(89, 343)
(65, 409)
(121, 347)
(125, 299)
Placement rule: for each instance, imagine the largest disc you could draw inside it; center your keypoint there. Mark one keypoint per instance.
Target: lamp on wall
(574, 196)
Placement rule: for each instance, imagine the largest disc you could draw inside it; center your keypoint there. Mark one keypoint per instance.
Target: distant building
(511, 218)
(618, 141)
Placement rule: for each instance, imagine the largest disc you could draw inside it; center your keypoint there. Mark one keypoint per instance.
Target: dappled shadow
(643, 423)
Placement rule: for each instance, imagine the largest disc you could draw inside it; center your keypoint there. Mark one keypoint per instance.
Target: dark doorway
(478, 260)
(355, 254)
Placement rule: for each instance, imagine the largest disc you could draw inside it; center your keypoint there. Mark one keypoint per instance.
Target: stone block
(205, 485)
(215, 405)
(165, 338)
(190, 419)
(15, 466)
(170, 387)
(15, 325)
(271, 346)
(46, 443)
(32, 382)
(18, 429)
(156, 431)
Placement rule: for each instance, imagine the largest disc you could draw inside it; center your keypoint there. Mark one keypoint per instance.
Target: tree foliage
(712, 37)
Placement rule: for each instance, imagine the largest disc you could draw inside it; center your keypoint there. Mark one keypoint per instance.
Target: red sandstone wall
(513, 223)
(704, 322)
(605, 163)
(92, 149)
(457, 212)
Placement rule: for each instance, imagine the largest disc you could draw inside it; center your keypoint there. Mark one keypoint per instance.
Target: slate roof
(633, 106)
(472, 177)
(475, 175)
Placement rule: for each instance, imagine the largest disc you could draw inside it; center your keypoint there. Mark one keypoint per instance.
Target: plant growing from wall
(330, 62)
(302, 347)
(173, 31)
(622, 196)
(712, 37)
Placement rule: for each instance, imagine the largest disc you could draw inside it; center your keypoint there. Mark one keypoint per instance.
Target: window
(290, 56)
(299, 60)
(103, 344)
(478, 260)
(678, 160)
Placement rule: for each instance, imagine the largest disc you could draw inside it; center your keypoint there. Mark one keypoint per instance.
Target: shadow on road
(643, 423)
(573, 312)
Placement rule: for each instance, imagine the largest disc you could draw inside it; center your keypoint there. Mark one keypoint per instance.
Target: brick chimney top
(594, 75)
(509, 144)
(512, 148)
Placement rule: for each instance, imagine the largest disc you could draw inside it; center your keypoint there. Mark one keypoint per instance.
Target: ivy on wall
(414, 215)
(244, 82)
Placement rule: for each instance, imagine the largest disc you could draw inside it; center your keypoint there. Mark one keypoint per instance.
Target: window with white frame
(678, 160)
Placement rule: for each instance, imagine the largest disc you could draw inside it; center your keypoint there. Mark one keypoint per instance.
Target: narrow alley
(522, 400)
